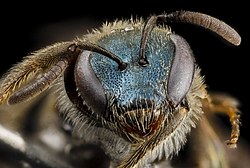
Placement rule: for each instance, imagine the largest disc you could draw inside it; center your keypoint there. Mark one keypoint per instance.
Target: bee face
(137, 92)
(132, 87)
(136, 103)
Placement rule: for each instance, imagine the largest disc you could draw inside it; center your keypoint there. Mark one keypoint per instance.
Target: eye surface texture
(182, 70)
(88, 85)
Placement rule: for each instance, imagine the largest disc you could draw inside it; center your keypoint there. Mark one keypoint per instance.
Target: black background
(30, 26)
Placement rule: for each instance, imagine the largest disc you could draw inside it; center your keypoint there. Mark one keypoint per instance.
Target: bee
(134, 89)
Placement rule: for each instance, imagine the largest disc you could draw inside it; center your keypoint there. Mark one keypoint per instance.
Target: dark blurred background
(27, 27)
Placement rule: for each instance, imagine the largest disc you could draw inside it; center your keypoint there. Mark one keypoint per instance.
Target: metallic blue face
(136, 82)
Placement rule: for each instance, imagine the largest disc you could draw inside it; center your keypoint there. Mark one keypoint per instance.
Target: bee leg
(221, 103)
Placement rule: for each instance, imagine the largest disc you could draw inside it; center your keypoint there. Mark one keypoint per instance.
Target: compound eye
(182, 70)
(88, 84)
